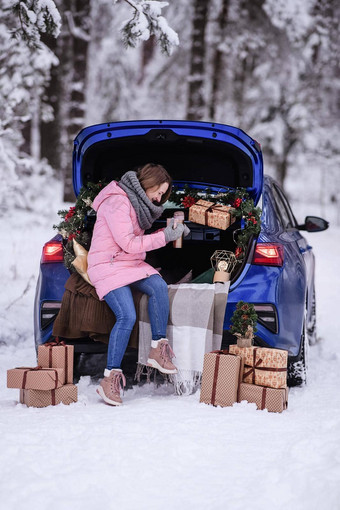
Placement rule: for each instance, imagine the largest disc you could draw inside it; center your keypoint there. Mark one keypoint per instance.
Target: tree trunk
(148, 50)
(196, 100)
(50, 131)
(218, 59)
(72, 53)
(35, 128)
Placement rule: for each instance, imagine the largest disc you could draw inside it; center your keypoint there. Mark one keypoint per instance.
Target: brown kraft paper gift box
(36, 378)
(221, 378)
(66, 394)
(211, 214)
(263, 366)
(274, 400)
(197, 212)
(57, 355)
(220, 217)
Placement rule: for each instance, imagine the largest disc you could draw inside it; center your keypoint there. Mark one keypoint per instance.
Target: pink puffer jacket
(119, 246)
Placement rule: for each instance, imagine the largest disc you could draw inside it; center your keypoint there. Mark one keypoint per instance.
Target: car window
(285, 213)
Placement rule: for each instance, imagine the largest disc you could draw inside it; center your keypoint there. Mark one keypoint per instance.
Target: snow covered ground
(161, 450)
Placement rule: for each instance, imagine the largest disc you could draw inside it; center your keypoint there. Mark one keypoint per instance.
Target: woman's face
(155, 194)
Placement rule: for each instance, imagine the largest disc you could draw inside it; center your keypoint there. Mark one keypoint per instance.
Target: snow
(160, 450)
(48, 14)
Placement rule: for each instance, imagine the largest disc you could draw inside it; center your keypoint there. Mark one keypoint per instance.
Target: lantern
(223, 262)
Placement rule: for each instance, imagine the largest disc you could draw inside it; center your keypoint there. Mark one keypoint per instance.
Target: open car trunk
(196, 153)
(193, 259)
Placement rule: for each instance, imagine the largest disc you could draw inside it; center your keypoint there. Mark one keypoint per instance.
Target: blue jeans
(121, 303)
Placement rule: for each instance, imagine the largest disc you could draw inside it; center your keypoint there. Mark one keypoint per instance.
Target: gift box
(211, 214)
(36, 378)
(198, 211)
(57, 354)
(263, 366)
(220, 378)
(219, 216)
(274, 400)
(66, 394)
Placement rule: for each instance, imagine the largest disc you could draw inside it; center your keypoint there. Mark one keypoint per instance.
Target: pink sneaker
(160, 356)
(109, 388)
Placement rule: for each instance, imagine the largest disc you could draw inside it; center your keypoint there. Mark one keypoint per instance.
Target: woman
(125, 209)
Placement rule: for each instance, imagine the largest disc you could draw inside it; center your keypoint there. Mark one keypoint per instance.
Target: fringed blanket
(195, 327)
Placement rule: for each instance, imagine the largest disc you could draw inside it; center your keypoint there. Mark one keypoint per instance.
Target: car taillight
(52, 252)
(268, 254)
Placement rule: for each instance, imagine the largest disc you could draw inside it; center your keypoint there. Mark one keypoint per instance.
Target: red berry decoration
(237, 202)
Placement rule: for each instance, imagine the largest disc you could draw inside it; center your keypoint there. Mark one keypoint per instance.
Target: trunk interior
(193, 259)
(193, 160)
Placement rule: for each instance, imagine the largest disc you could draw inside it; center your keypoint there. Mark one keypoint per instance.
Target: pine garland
(76, 222)
(243, 208)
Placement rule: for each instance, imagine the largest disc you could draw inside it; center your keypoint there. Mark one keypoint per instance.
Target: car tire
(311, 323)
(297, 370)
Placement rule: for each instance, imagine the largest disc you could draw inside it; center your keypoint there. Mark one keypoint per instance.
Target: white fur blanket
(195, 327)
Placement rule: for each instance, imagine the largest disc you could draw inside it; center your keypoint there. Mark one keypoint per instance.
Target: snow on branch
(36, 17)
(146, 21)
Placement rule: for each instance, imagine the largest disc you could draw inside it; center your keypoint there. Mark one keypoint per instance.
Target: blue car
(277, 271)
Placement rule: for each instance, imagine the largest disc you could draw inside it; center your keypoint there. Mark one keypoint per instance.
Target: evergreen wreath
(243, 208)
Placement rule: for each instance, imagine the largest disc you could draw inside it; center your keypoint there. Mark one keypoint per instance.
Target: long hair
(153, 175)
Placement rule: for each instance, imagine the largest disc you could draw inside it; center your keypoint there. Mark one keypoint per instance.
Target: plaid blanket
(195, 327)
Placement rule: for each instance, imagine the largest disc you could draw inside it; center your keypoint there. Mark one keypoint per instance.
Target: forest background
(270, 67)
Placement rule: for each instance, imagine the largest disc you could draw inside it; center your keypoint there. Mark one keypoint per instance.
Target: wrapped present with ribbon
(66, 394)
(57, 354)
(210, 214)
(274, 400)
(222, 374)
(36, 378)
(263, 366)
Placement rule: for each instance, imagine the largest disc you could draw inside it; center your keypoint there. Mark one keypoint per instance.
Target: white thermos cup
(178, 218)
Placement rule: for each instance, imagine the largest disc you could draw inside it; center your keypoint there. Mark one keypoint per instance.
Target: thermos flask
(178, 218)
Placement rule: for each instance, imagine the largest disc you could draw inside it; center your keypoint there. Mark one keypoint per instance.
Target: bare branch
(77, 32)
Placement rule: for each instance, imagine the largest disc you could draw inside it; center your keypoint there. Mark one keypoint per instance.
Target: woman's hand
(173, 233)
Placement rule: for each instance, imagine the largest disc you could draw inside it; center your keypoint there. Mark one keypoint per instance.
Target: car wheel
(311, 324)
(297, 371)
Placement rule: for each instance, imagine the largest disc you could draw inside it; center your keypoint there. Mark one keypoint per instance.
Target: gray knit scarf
(147, 212)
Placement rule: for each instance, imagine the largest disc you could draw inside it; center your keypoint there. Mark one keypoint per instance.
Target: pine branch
(147, 21)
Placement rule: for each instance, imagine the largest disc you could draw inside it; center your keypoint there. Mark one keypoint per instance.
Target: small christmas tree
(244, 323)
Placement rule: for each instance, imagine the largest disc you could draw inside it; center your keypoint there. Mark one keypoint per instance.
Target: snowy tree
(196, 100)
(35, 17)
(75, 45)
(147, 20)
(268, 66)
(219, 33)
(23, 75)
(62, 104)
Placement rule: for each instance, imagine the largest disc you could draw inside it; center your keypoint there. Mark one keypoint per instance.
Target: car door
(291, 230)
